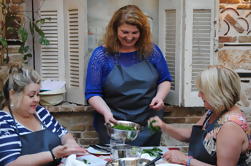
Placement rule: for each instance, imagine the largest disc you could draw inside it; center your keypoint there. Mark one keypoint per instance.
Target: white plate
(95, 151)
(92, 160)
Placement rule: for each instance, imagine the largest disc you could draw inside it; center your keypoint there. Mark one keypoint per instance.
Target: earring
(11, 105)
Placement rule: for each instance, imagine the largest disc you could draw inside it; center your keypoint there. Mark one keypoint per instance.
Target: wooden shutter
(198, 48)
(50, 60)
(64, 58)
(170, 38)
(76, 42)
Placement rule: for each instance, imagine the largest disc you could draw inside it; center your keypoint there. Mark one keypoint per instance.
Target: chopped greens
(86, 162)
(153, 128)
(152, 152)
(123, 127)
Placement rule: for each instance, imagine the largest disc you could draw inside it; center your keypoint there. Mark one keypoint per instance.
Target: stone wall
(235, 34)
(235, 42)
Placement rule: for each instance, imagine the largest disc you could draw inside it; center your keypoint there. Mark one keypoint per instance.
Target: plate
(97, 152)
(92, 160)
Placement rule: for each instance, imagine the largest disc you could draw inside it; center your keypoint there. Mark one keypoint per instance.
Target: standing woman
(29, 134)
(127, 77)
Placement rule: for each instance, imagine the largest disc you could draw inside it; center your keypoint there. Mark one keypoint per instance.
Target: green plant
(14, 27)
(23, 36)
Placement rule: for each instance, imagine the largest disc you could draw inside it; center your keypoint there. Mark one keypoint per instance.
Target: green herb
(152, 152)
(123, 127)
(86, 162)
(153, 128)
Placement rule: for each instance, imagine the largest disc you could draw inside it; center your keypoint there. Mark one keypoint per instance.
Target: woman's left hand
(175, 156)
(157, 103)
(66, 150)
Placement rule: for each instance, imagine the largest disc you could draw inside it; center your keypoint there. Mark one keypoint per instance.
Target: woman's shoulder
(4, 116)
(6, 121)
(99, 54)
(236, 118)
(156, 48)
(99, 51)
(156, 53)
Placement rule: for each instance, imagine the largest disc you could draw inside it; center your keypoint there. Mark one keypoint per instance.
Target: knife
(104, 149)
(150, 163)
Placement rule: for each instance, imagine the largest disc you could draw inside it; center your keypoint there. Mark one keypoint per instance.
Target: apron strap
(14, 120)
(210, 112)
(207, 118)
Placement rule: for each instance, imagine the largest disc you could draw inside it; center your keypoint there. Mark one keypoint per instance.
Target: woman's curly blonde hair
(131, 15)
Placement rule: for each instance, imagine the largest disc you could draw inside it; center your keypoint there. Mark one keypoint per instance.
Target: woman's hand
(157, 122)
(109, 117)
(157, 103)
(67, 149)
(175, 156)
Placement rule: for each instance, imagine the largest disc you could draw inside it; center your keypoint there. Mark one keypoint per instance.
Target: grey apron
(38, 141)
(128, 91)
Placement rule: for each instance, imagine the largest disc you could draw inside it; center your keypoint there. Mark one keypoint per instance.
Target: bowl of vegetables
(123, 130)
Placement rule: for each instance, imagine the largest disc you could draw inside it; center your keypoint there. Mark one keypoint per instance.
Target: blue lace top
(101, 64)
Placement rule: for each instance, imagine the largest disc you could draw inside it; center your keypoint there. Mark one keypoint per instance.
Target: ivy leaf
(23, 49)
(27, 55)
(22, 34)
(38, 30)
(3, 42)
(42, 21)
(44, 41)
(25, 58)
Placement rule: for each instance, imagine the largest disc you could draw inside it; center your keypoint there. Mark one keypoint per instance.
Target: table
(96, 159)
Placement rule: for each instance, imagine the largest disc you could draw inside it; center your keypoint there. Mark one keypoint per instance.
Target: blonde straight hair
(221, 87)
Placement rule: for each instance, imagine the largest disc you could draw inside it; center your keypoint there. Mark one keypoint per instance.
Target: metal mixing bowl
(129, 162)
(125, 135)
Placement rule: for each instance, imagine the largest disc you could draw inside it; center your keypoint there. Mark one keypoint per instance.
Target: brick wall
(78, 120)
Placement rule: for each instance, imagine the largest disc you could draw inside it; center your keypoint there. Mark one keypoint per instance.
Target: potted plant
(16, 28)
